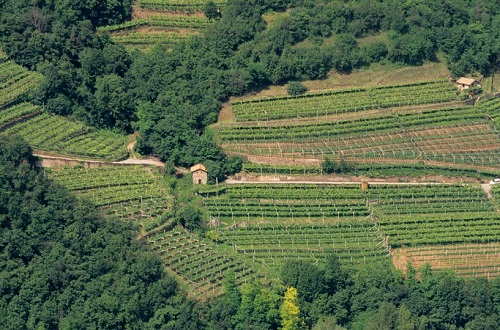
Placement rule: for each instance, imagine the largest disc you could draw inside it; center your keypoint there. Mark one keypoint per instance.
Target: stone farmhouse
(199, 173)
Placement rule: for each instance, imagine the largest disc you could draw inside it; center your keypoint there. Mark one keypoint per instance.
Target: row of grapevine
(415, 169)
(464, 259)
(348, 128)
(15, 81)
(17, 112)
(158, 21)
(56, 134)
(151, 37)
(355, 243)
(131, 193)
(338, 102)
(426, 199)
(178, 5)
(197, 261)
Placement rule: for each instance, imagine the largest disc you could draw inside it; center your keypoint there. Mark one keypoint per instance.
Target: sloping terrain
(415, 123)
(46, 132)
(156, 23)
(272, 223)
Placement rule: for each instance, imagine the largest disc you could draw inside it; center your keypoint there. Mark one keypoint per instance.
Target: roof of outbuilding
(197, 167)
(466, 81)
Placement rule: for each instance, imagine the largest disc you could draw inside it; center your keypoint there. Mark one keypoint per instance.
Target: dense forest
(170, 96)
(63, 266)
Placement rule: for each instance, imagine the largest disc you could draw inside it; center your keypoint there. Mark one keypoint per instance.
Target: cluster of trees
(376, 297)
(63, 266)
(170, 96)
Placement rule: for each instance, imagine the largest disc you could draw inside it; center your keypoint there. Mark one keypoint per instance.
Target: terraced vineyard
(354, 242)
(463, 135)
(344, 101)
(198, 262)
(49, 133)
(156, 27)
(15, 81)
(58, 135)
(465, 259)
(271, 223)
(131, 193)
(178, 5)
(284, 203)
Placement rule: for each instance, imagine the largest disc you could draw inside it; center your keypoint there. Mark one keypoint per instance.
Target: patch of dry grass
(375, 75)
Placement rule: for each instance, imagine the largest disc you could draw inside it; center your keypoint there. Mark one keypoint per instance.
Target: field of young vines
(178, 5)
(154, 27)
(57, 135)
(15, 81)
(271, 223)
(198, 261)
(465, 259)
(459, 134)
(131, 193)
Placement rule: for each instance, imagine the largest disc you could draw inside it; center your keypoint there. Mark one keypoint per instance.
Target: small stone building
(466, 83)
(200, 174)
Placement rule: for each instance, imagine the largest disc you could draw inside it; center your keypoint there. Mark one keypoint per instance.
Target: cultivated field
(271, 223)
(155, 23)
(131, 193)
(178, 5)
(421, 122)
(15, 81)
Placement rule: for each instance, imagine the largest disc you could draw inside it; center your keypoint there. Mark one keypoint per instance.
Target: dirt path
(233, 181)
(134, 161)
(56, 161)
(487, 189)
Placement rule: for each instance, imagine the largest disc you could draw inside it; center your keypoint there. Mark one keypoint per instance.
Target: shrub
(296, 88)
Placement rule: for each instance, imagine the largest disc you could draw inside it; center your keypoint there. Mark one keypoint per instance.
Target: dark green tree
(295, 88)
(210, 10)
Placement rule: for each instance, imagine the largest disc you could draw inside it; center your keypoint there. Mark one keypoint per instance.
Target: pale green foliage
(289, 311)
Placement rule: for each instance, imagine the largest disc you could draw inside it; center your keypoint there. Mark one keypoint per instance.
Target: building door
(199, 181)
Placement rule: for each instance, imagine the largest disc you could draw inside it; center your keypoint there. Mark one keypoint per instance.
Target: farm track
(316, 161)
(95, 163)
